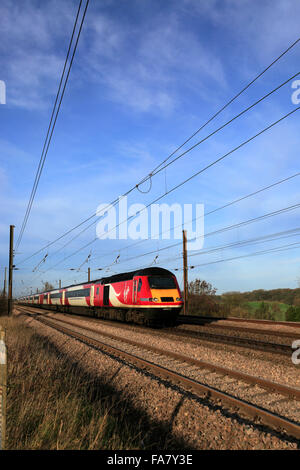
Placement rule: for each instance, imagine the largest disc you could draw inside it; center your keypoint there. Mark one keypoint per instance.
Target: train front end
(159, 296)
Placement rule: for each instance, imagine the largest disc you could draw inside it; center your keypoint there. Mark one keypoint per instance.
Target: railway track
(254, 343)
(192, 376)
(199, 320)
(251, 343)
(244, 342)
(256, 331)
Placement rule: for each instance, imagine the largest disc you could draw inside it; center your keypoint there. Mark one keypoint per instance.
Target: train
(149, 296)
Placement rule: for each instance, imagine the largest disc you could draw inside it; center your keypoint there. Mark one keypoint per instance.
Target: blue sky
(145, 77)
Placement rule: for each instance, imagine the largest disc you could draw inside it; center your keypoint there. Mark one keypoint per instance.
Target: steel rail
(282, 334)
(250, 343)
(194, 319)
(267, 417)
(268, 385)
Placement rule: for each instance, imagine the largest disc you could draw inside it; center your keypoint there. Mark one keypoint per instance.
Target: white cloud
(31, 63)
(264, 28)
(165, 71)
(149, 67)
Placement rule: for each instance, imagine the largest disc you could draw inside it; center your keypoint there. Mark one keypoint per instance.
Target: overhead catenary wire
(85, 261)
(50, 133)
(217, 232)
(229, 102)
(186, 141)
(235, 201)
(263, 239)
(184, 153)
(179, 156)
(224, 125)
(42, 261)
(191, 177)
(256, 240)
(222, 230)
(242, 243)
(194, 175)
(71, 230)
(271, 250)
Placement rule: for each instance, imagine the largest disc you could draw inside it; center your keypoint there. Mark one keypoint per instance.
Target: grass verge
(53, 404)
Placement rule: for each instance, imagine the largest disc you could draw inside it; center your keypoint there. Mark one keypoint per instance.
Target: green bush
(292, 314)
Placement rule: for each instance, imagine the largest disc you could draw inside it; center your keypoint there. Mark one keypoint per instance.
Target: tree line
(203, 300)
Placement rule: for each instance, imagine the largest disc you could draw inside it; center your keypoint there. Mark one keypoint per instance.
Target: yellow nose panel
(159, 293)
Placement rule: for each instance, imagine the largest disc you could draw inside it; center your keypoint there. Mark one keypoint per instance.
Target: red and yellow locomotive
(148, 296)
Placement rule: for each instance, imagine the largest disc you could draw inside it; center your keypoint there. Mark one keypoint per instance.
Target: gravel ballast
(200, 423)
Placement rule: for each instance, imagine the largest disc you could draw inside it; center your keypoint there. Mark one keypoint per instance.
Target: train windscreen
(159, 282)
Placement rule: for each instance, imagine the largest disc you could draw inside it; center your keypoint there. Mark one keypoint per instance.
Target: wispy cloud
(146, 75)
(147, 68)
(31, 63)
(262, 27)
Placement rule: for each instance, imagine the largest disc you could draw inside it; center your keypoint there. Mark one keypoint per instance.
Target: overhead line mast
(185, 273)
(10, 270)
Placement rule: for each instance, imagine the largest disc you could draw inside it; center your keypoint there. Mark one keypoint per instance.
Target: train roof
(130, 275)
(154, 271)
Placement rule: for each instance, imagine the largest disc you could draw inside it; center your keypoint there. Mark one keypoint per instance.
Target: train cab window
(139, 285)
(160, 282)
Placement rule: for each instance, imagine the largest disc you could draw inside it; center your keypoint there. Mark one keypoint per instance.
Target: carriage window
(139, 285)
(78, 293)
(57, 295)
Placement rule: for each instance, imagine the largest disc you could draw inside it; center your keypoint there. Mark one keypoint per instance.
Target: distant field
(279, 316)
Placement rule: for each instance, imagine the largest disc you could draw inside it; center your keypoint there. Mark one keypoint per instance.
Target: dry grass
(3, 305)
(53, 404)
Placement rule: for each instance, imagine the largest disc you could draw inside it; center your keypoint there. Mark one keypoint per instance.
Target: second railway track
(256, 344)
(245, 342)
(198, 319)
(275, 405)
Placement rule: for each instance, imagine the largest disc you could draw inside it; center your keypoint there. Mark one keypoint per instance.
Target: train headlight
(154, 299)
(179, 299)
